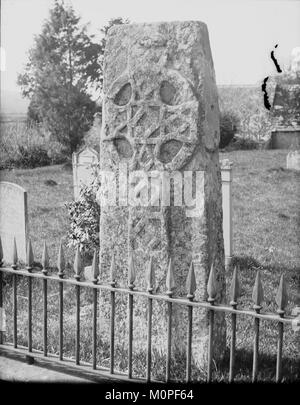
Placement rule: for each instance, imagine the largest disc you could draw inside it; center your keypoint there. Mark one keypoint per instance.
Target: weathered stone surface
(13, 219)
(293, 160)
(161, 118)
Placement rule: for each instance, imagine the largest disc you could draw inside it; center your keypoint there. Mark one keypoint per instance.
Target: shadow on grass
(250, 263)
(243, 368)
(266, 367)
(247, 266)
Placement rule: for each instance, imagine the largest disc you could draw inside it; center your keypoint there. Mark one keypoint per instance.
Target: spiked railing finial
(61, 264)
(14, 264)
(212, 286)
(45, 259)
(77, 264)
(150, 276)
(1, 253)
(29, 256)
(258, 292)
(282, 296)
(191, 282)
(95, 267)
(131, 270)
(170, 281)
(235, 290)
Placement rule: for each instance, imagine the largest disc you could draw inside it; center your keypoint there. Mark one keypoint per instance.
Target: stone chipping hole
(167, 93)
(124, 95)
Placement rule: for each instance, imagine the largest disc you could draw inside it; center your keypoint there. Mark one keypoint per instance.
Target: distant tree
(64, 67)
(229, 122)
(33, 112)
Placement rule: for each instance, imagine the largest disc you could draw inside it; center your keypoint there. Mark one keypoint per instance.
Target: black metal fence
(189, 302)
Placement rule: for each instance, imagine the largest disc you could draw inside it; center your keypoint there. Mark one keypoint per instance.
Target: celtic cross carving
(150, 120)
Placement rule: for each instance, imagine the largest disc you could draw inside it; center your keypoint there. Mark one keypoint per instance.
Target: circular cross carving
(153, 119)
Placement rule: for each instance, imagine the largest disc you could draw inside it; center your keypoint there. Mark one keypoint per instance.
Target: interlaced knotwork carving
(148, 110)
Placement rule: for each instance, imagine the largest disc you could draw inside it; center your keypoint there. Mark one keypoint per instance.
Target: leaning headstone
(161, 121)
(293, 160)
(13, 220)
(82, 170)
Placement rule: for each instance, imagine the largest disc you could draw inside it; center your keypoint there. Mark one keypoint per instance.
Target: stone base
(200, 336)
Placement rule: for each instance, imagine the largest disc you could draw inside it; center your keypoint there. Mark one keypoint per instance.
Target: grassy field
(266, 200)
(25, 144)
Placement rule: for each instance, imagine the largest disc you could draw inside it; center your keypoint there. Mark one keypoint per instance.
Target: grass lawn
(266, 200)
(47, 213)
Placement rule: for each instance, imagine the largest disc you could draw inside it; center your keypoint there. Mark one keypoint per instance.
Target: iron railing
(189, 302)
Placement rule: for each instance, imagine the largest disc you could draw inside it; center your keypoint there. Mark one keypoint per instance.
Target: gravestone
(286, 107)
(293, 160)
(285, 138)
(82, 171)
(161, 122)
(13, 220)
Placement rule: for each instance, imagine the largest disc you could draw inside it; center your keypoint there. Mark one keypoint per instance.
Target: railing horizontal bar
(179, 301)
(8, 346)
(53, 358)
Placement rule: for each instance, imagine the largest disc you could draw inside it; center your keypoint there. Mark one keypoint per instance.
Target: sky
(242, 32)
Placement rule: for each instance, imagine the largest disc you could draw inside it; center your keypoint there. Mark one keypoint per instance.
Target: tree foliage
(84, 216)
(228, 127)
(63, 67)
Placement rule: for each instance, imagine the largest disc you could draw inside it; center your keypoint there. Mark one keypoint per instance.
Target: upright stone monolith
(161, 181)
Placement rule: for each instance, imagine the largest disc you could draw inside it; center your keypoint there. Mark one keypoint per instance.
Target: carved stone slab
(161, 121)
